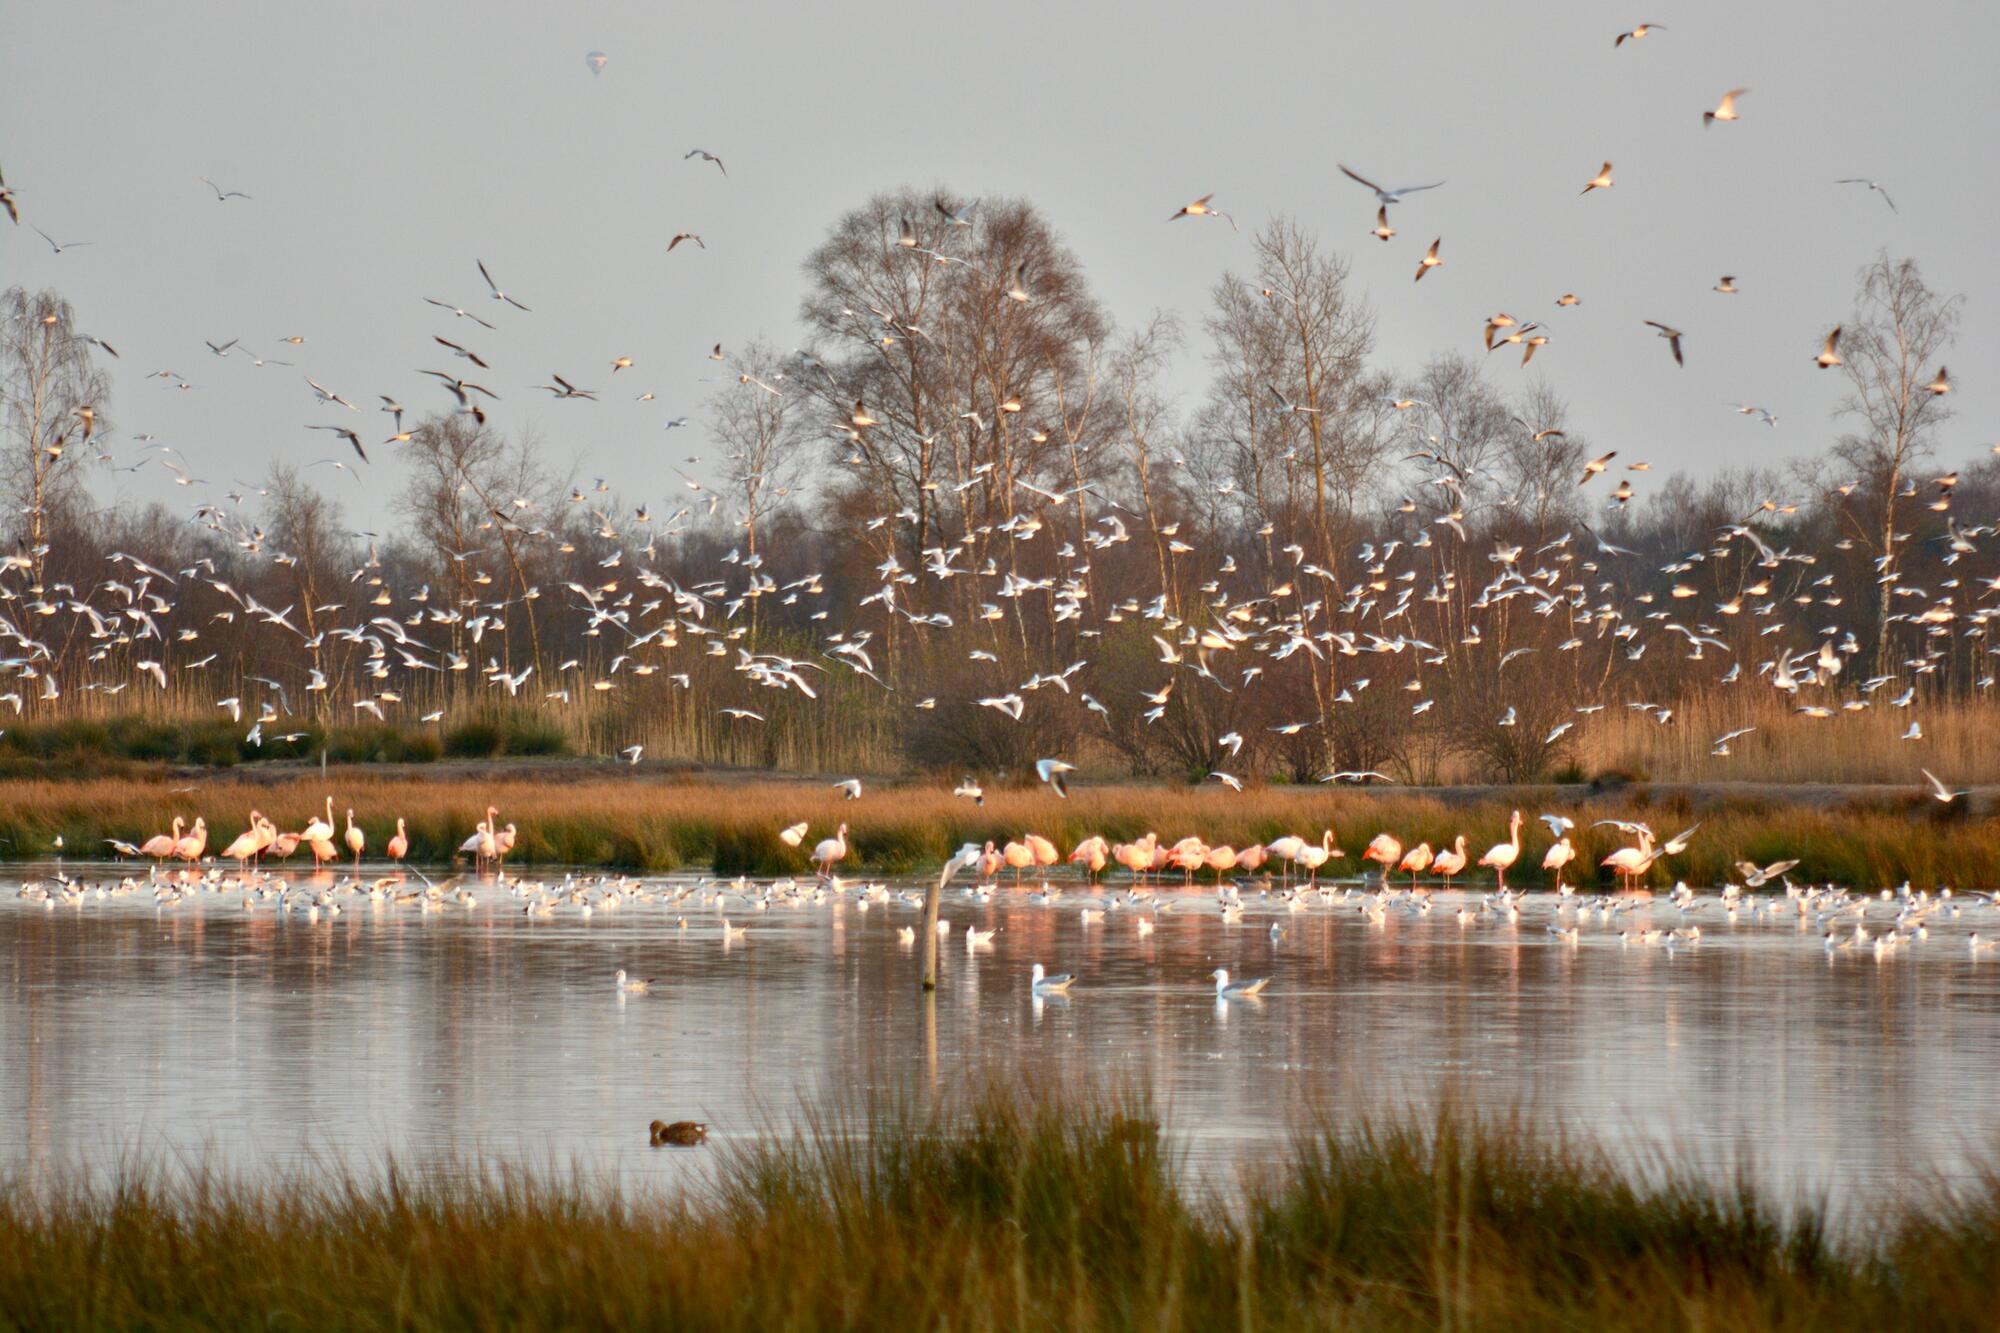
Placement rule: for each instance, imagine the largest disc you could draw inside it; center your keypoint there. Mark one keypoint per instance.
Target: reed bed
(566, 815)
(1003, 1209)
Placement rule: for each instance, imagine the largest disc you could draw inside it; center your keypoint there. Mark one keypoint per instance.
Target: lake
(254, 1038)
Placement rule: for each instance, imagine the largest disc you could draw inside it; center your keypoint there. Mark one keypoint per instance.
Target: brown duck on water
(681, 1133)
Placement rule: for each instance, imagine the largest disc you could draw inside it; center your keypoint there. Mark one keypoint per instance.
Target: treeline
(968, 526)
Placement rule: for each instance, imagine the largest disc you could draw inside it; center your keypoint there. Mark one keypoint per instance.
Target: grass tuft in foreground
(1000, 1212)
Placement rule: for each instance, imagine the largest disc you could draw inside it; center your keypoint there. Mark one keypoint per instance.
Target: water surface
(257, 1038)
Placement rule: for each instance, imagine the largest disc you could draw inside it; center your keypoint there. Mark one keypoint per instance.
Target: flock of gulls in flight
(1276, 880)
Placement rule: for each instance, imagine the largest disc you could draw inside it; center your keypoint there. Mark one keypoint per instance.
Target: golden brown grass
(571, 815)
(1003, 1211)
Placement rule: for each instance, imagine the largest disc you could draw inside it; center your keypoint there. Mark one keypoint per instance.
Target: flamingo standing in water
(161, 845)
(1631, 862)
(356, 839)
(1503, 854)
(1316, 854)
(190, 848)
(831, 850)
(990, 861)
(247, 844)
(1092, 854)
(320, 830)
(1415, 861)
(1286, 849)
(1558, 856)
(1017, 855)
(399, 845)
(1221, 859)
(1044, 850)
(1450, 860)
(1385, 850)
(480, 845)
(322, 850)
(1252, 858)
(503, 842)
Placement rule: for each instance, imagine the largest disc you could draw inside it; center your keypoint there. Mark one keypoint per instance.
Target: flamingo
(1384, 849)
(1018, 856)
(503, 842)
(1415, 861)
(1558, 856)
(320, 829)
(1631, 862)
(1286, 849)
(1503, 854)
(1188, 855)
(1221, 859)
(1251, 859)
(161, 845)
(1450, 860)
(990, 861)
(831, 850)
(356, 839)
(284, 845)
(1314, 855)
(399, 845)
(1044, 850)
(480, 845)
(1092, 854)
(190, 847)
(322, 850)
(247, 844)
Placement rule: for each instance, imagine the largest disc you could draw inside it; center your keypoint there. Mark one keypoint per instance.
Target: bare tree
(754, 421)
(54, 404)
(1891, 353)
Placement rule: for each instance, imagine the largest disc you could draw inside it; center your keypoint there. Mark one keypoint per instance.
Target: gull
(1637, 34)
(1595, 466)
(1229, 780)
(1863, 180)
(794, 834)
(562, 388)
(222, 350)
(60, 246)
(1727, 286)
(1200, 208)
(7, 201)
(1225, 989)
(1557, 732)
(1051, 771)
(975, 938)
(222, 196)
(1827, 357)
(597, 60)
(1757, 878)
(1915, 733)
(1941, 385)
(458, 351)
(621, 363)
(1601, 181)
(498, 295)
(970, 790)
(462, 314)
(705, 156)
(348, 435)
(632, 753)
(1673, 337)
(1749, 411)
(1383, 196)
(1383, 231)
(1042, 982)
(327, 395)
(1725, 110)
(1357, 776)
(680, 236)
(1287, 405)
(1018, 289)
(849, 787)
(632, 985)
(744, 713)
(1429, 261)
(960, 217)
(1939, 792)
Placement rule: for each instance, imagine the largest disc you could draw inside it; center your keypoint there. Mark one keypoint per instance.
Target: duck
(679, 1134)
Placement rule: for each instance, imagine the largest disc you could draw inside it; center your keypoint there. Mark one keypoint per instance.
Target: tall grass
(573, 816)
(1003, 1210)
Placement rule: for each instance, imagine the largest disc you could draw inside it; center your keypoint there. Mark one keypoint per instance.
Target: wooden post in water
(965, 856)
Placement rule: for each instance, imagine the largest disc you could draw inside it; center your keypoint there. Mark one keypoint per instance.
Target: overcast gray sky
(388, 145)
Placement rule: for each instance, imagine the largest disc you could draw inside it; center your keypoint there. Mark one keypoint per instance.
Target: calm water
(258, 1038)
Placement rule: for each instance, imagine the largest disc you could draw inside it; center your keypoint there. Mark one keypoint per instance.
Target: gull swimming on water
(1042, 982)
(1225, 989)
